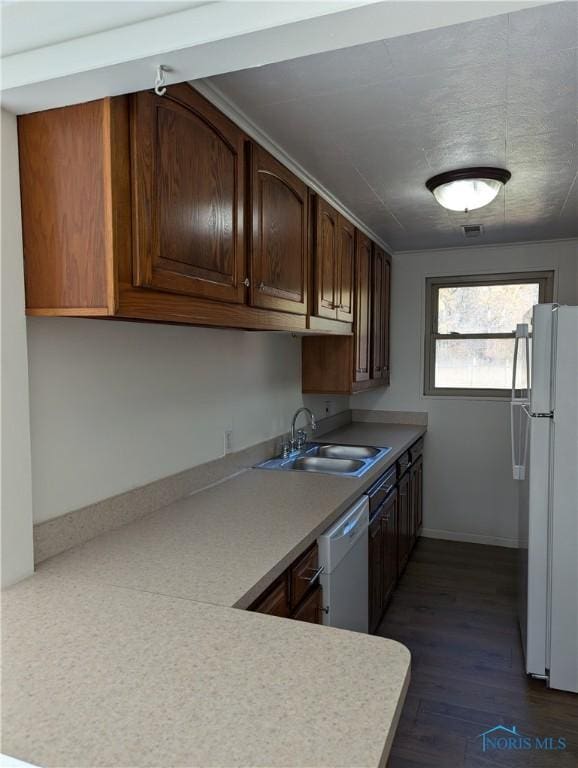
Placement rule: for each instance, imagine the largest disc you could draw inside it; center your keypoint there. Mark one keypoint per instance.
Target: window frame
(545, 280)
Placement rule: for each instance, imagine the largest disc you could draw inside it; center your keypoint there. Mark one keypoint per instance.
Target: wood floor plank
(455, 609)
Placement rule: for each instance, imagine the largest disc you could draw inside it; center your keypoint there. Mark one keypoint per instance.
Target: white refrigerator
(544, 413)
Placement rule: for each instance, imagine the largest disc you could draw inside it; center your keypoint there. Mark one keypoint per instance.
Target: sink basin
(317, 464)
(347, 451)
(331, 459)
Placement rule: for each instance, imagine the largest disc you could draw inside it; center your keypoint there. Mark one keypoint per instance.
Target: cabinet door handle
(311, 579)
(246, 282)
(261, 286)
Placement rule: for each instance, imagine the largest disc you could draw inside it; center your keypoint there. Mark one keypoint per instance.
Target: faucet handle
(300, 438)
(286, 448)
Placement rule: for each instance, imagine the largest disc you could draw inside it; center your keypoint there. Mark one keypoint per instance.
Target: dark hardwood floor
(455, 610)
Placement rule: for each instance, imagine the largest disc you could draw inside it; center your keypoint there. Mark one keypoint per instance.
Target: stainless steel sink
(330, 459)
(347, 451)
(316, 464)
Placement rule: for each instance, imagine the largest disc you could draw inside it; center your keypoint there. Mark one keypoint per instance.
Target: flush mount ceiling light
(468, 188)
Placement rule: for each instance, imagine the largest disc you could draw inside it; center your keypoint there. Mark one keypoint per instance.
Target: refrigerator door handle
(515, 367)
(521, 333)
(520, 434)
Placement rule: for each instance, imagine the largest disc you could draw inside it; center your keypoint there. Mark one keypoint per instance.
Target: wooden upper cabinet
(326, 250)
(188, 196)
(345, 270)
(362, 331)
(349, 364)
(380, 300)
(67, 212)
(279, 236)
(334, 264)
(387, 319)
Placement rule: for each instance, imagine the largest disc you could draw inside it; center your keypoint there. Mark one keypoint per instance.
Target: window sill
(474, 398)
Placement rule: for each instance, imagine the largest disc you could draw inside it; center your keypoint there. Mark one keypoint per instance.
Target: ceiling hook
(160, 89)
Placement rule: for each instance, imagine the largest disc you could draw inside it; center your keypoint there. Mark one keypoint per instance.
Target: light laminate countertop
(226, 544)
(103, 676)
(128, 650)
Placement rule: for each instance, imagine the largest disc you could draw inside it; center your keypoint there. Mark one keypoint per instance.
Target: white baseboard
(471, 538)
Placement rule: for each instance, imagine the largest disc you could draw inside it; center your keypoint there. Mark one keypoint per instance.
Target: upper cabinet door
(386, 317)
(188, 196)
(280, 242)
(326, 252)
(377, 312)
(380, 291)
(362, 333)
(346, 270)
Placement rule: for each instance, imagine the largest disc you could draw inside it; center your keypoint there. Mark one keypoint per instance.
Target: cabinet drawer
(275, 602)
(303, 574)
(380, 490)
(310, 608)
(403, 463)
(416, 450)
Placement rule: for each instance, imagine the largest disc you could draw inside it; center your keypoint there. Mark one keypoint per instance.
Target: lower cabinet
(404, 524)
(376, 570)
(393, 531)
(276, 601)
(310, 608)
(297, 593)
(389, 534)
(416, 483)
(382, 559)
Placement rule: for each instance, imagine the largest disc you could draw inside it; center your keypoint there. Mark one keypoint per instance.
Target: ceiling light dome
(468, 188)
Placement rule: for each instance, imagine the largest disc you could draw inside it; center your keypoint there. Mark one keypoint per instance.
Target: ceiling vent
(473, 230)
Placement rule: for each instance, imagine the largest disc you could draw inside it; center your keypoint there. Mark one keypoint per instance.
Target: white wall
(469, 494)
(16, 506)
(116, 405)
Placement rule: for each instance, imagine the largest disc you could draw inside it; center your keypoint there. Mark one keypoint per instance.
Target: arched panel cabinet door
(188, 172)
(279, 236)
(326, 259)
(363, 254)
(346, 270)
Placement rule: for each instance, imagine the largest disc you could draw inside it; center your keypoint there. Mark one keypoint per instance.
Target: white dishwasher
(343, 554)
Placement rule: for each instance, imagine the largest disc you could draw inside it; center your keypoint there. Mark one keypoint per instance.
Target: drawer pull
(313, 578)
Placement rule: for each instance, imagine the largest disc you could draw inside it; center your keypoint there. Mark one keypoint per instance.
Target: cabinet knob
(246, 282)
(261, 286)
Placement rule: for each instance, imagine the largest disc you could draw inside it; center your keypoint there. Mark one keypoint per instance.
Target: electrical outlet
(328, 407)
(228, 441)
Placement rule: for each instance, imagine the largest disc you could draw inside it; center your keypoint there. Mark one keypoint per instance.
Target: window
(470, 324)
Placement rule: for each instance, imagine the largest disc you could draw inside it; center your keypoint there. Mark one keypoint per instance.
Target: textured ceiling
(372, 123)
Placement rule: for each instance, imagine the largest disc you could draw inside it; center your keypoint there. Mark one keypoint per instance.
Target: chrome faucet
(299, 441)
